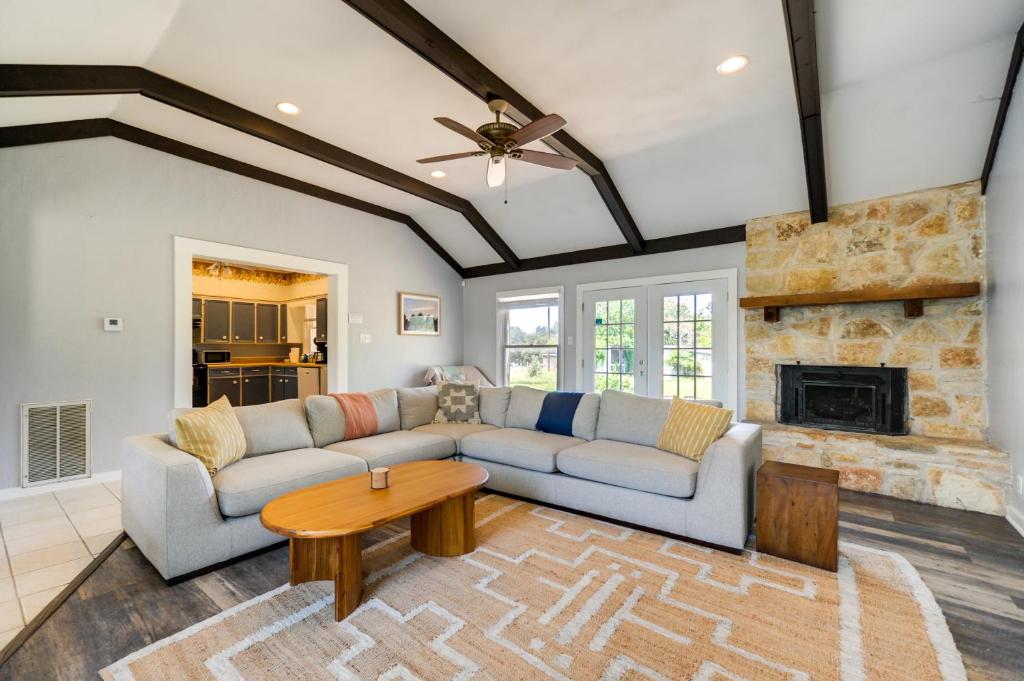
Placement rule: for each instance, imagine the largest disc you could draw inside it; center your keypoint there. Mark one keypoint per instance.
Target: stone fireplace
(929, 237)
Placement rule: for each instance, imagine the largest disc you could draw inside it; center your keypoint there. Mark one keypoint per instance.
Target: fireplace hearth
(857, 399)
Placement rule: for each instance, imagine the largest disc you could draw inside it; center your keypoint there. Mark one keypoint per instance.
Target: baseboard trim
(1016, 519)
(614, 521)
(58, 600)
(18, 492)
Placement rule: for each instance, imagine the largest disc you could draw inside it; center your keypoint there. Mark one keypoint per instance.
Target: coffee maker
(320, 356)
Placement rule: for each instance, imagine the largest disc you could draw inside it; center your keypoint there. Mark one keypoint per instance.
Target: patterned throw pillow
(211, 434)
(457, 403)
(691, 427)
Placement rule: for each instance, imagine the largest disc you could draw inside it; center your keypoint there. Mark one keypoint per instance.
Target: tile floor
(47, 539)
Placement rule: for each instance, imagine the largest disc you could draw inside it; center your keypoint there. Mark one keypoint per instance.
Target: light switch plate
(354, 318)
(113, 324)
(365, 338)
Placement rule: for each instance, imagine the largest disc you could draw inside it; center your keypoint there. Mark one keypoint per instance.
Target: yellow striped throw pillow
(211, 434)
(691, 427)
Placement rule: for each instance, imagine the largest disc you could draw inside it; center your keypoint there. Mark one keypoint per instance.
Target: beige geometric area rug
(552, 595)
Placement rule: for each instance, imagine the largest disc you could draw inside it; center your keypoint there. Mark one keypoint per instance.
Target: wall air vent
(54, 441)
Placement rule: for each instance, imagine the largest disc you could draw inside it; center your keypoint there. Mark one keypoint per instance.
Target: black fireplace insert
(860, 399)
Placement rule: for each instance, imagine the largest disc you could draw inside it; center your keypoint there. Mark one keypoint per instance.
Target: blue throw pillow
(557, 412)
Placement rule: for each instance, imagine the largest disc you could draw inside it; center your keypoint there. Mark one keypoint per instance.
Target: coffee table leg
(446, 529)
(337, 559)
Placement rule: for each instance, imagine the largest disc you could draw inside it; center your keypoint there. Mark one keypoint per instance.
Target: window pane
(686, 360)
(686, 388)
(686, 334)
(601, 313)
(533, 326)
(628, 311)
(600, 382)
(685, 307)
(614, 360)
(704, 391)
(703, 334)
(534, 368)
(669, 386)
(704, 306)
(600, 336)
(615, 336)
(670, 335)
(627, 383)
(628, 333)
(670, 307)
(627, 361)
(670, 359)
(613, 381)
(614, 312)
(703, 365)
(600, 360)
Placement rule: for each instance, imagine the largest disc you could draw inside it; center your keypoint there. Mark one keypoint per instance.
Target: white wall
(480, 308)
(86, 231)
(1004, 220)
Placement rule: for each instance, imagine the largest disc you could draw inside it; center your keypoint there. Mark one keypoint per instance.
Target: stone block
(959, 358)
(860, 479)
(912, 356)
(878, 210)
(970, 410)
(960, 491)
(933, 225)
(760, 410)
(791, 226)
(921, 380)
(929, 405)
(811, 280)
(909, 211)
(863, 353)
(765, 284)
(868, 238)
(865, 328)
(923, 333)
(818, 326)
(948, 259)
(967, 210)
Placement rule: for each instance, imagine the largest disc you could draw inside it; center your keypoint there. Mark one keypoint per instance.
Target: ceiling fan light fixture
(288, 108)
(496, 171)
(732, 65)
(438, 174)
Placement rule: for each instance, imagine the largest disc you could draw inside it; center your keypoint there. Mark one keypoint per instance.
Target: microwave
(216, 356)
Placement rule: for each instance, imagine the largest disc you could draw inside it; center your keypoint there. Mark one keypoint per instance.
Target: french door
(663, 340)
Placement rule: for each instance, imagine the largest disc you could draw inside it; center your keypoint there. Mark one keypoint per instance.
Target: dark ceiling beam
(803, 56)
(21, 80)
(681, 242)
(1016, 57)
(21, 135)
(417, 33)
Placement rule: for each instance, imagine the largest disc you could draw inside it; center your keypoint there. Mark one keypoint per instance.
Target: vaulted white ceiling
(909, 93)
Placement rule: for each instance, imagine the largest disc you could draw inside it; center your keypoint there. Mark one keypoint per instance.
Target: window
(529, 337)
(614, 345)
(686, 332)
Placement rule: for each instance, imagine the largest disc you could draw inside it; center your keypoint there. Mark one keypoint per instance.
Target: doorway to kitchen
(670, 336)
(251, 317)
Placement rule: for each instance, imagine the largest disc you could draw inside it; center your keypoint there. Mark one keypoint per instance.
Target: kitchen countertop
(238, 365)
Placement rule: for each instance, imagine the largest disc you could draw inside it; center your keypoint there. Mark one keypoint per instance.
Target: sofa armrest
(169, 507)
(726, 481)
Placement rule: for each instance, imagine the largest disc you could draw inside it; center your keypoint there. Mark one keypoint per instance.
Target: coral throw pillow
(691, 428)
(457, 403)
(360, 416)
(211, 434)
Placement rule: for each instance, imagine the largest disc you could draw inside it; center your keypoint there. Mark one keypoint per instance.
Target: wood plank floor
(973, 563)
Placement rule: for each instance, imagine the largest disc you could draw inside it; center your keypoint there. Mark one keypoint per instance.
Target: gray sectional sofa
(183, 520)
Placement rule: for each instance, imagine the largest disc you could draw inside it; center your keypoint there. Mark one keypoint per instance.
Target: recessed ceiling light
(287, 108)
(732, 65)
(438, 174)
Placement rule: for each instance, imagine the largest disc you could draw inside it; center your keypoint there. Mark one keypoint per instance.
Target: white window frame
(730, 275)
(500, 329)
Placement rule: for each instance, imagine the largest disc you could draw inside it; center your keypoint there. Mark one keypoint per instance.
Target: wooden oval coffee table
(323, 522)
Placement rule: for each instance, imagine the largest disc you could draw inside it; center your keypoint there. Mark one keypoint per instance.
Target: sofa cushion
(274, 427)
(494, 405)
(630, 418)
(327, 420)
(518, 447)
(557, 412)
(212, 435)
(416, 406)
(389, 449)
(524, 407)
(455, 431)
(244, 487)
(645, 469)
(457, 403)
(691, 428)
(584, 423)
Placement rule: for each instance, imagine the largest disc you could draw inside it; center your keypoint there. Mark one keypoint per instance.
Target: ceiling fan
(500, 140)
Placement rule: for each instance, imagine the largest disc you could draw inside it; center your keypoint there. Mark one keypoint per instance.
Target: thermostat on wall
(113, 324)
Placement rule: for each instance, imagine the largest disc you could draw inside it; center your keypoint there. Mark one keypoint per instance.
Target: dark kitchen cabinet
(226, 386)
(266, 323)
(321, 320)
(197, 308)
(243, 322)
(284, 388)
(255, 389)
(282, 323)
(216, 321)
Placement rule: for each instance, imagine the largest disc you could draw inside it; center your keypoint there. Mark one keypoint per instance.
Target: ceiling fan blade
(542, 127)
(544, 159)
(472, 134)
(496, 171)
(449, 157)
